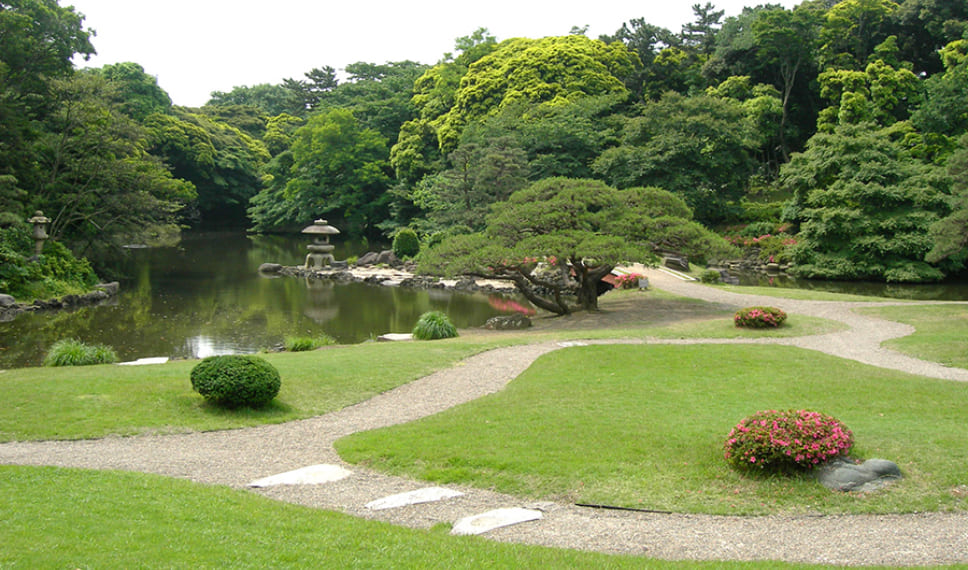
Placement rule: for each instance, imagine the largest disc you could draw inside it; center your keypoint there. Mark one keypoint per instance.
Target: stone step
(498, 518)
(312, 475)
(426, 495)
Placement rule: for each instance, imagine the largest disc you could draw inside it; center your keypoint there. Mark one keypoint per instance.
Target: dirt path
(237, 457)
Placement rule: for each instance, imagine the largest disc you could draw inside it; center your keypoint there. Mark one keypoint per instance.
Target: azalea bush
(628, 280)
(786, 440)
(759, 317)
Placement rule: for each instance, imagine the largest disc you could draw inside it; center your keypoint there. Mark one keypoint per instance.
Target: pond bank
(390, 277)
(10, 309)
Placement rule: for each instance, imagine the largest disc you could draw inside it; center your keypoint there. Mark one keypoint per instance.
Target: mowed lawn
(643, 426)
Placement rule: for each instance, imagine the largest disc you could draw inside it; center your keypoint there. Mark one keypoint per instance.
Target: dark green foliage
(236, 380)
(864, 206)
(759, 317)
(434, 325)
(406, 243)
(56, 272)
(710, 277)
(72, 352)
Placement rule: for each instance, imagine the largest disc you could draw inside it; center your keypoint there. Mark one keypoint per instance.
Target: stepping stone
(484, 522)
(312, 475)
(395, 337)
(570, 343)
(143, 361)
(427, 495)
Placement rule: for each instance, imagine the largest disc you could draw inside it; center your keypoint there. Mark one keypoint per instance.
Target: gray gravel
(237, 457)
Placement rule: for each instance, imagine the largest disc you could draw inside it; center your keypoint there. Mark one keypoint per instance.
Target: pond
(206, 296)
(951, 290)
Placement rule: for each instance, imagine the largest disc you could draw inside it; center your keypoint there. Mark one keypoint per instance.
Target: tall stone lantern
(40, 222)
(320, 251)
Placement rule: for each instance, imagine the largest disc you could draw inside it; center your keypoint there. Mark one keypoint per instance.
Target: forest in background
(831, 135)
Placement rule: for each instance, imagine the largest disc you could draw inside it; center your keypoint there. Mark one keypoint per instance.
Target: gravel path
(237, 457)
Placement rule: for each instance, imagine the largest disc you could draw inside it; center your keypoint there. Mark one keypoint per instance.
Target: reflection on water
(206, 297)
(946, 291)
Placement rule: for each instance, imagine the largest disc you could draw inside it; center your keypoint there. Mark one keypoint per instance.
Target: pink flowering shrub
(786, 440)
(628, 280)
(759, 317)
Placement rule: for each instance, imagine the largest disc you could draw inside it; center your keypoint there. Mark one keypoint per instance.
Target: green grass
(643, 426)
(94, 401)
(68, 518)
(801, 294)
(942, 332)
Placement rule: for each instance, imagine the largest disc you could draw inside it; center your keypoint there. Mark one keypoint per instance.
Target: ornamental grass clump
(434, 325)
(72, 352)
(236, 380)
(786, 440)
(304, 343)
(759, 317)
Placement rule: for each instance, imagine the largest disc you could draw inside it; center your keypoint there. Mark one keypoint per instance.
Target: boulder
(387, 257)
(7, 301)
(842, 474)
(517, 321)
(111, 288)
(368, 258)
(270, 268)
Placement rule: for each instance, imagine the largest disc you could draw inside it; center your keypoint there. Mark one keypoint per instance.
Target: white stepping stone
(426, 495)
(144, 361)
(570, 343)
(484, 522)
(395, 337)
(312, 475)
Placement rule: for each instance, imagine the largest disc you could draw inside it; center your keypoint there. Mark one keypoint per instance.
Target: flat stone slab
(498, 518)
(426, 495)
(312, 475)
(392, 337)
(144, 361)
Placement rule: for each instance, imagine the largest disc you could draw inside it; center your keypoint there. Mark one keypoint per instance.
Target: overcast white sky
(195, 47)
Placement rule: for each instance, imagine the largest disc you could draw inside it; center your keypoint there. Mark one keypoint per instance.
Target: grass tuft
(72, 352)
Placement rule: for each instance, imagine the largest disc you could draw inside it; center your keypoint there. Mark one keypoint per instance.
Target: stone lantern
(320, 251)
(40, 222)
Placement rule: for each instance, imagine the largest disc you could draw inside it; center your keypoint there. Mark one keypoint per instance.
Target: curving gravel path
(237, 457)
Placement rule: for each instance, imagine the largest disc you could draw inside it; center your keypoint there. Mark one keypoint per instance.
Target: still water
(205, 296)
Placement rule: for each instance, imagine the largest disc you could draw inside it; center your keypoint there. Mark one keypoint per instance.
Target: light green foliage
(696, 147)
(710, 277)
(550, 70)
(236, 380)
(249, 119)
(279, 130)
(865, 206)
(434, 325)
(406, 244)
(582, 222)
(851, 31)
(72, 352)
(881, 94)
(303, 343)
(943, 115)
(272, 99)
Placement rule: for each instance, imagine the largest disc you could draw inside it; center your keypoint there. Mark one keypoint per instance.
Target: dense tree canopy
(848, 115)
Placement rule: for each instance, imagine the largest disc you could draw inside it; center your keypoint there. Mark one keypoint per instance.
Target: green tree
(99, 184)
(700, 148)
(337, 169)
(580, 230)
(306, 93)
(700, 34)
(864, 206)
(272, 99)
(221, 161)
(479, 176)
(943, 114)
(950, 234)
(646, 41)
(138, 93)
(852, 29)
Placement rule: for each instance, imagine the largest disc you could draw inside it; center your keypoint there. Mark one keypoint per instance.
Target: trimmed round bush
(235, 380)
(434, 325)
(710, 276)
(786, 440)
(406, 243)
(759, 317)
(72, 352)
